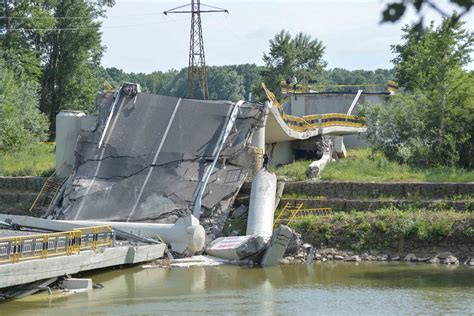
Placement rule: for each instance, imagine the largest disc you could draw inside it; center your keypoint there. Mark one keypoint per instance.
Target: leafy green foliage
(394, 10)
(71, 57)
(339, 76)
(21, 123)
(431, 124)
(233, 82)
(299, 56)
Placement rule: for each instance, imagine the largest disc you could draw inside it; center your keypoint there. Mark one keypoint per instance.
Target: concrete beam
(186, 236)
(39, 269)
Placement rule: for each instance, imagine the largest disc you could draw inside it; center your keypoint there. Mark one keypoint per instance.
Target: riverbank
(417, 235)
(361, 165)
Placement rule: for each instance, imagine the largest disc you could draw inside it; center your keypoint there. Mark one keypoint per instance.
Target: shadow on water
(419, 276)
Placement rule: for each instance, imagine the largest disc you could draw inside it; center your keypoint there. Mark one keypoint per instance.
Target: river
(321, 288)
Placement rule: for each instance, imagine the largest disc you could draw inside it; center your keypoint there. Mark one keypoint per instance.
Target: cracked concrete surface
(156, 150)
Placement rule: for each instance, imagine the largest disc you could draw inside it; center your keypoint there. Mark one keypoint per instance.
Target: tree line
(238, 82)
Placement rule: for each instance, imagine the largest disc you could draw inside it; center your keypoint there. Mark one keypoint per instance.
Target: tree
(289, 56)
(72, 53)
(21, 122)
(339, 76)
(22, 29)
(431, 124)
(396, 9)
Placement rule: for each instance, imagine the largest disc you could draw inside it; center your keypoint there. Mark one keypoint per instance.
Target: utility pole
(197, 60)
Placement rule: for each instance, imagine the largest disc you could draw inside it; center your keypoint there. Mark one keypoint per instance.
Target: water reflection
(302, 289)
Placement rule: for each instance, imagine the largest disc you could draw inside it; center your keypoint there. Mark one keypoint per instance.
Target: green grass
(361, 165)
(295, 171)
(38, 160)
(386, 228)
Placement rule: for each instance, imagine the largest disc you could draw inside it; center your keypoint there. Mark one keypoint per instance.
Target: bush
(431, 122)
(21, 122)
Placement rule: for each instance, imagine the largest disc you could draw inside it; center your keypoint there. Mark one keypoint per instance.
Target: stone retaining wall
(23, 184)
(343, 205)
(18, 193)
(414, 190)
(368, 189)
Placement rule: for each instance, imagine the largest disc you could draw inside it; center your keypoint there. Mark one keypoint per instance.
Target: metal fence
(42, 246)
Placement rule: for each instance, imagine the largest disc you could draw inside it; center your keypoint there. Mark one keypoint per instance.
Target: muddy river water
(320, 288)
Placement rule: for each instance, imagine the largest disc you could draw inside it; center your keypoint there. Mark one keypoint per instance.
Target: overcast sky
(139, 38)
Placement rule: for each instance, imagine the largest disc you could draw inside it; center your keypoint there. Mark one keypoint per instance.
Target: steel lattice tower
(197, 59)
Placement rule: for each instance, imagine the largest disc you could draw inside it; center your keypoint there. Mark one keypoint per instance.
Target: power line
(85, 28)
(43, 17)
(75, 17)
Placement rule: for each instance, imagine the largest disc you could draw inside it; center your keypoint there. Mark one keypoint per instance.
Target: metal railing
(314, 121)
(285, 88)
(49, 190)
(42, 246)
(291, 212)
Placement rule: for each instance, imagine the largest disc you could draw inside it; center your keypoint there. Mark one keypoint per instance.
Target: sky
(140, 38)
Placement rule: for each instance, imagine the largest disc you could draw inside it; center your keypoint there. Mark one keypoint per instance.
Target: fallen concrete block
(277, 246)
(76, 285)
(236, 247)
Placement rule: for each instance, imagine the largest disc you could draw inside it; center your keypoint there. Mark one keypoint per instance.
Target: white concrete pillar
(262, 204)
(68, 128)
(339, 147)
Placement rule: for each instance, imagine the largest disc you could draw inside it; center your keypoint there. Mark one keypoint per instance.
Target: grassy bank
(392, 228)
(38, 160)
(361, 165)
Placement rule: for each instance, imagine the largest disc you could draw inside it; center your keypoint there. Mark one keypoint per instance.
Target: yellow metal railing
(49, 189)
(280, 215)
(314, 121)
(290, 212)
(286, 88)
(42, 246)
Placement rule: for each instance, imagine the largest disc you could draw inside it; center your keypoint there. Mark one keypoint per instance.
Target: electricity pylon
(197, 59)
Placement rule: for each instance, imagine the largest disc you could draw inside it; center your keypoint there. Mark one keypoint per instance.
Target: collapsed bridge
(147, 158)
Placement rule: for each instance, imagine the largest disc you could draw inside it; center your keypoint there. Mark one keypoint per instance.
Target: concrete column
(68, 128)
(262, 204)
(258, 137)
(339, 147)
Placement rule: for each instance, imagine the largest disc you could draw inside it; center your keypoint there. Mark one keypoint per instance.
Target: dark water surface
(321, 288)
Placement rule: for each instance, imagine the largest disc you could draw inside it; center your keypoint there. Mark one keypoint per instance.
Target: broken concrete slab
(277, 246)
(236, 247)
(154, 153)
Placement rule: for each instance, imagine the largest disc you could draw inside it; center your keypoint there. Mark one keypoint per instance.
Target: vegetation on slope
(37, 160)
(387, 229)
(363, 165)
